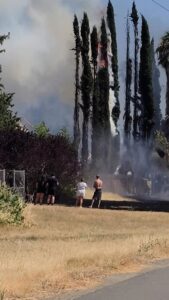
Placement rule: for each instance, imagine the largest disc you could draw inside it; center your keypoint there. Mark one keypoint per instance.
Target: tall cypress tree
(86, 87)
(145, 82)
(135, 18)
(94, 51)
(156, 90)
(77, 83)
(112, 28)
(127, 116)
(103, 89)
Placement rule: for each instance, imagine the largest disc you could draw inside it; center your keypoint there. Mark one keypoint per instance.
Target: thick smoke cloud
(39, 65)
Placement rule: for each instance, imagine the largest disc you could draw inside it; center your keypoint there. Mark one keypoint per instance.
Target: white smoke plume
(112, 99)
(39, 65)
(101, 64)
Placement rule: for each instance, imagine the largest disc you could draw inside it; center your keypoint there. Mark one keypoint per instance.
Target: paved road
(153, 285)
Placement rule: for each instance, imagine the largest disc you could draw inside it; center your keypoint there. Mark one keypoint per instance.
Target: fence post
(14, 182)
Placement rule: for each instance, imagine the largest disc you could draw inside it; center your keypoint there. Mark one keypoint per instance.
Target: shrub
(11, 206)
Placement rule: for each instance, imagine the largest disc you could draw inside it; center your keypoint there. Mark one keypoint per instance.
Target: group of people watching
(49, 187)
(46, 186)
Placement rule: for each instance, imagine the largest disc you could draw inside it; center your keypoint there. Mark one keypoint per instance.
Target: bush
(11, 206)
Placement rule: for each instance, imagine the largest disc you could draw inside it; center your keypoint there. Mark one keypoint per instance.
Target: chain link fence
(14, 179)
(2, 176)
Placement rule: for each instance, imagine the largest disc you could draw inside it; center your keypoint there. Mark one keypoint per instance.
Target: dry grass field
(106, 195)
(60, 248)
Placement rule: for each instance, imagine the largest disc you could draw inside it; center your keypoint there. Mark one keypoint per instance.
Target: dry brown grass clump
(62, 248)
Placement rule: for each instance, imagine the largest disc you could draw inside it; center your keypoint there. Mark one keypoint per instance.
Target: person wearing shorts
(40, 190)
(98, 183)
(80, 194)
(52, 185)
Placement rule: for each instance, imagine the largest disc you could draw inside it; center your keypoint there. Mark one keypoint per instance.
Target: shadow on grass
(138, 203)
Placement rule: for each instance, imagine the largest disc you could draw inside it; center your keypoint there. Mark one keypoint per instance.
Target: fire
(102, 63)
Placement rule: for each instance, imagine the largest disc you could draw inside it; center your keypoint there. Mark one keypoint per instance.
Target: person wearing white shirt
(80, 193)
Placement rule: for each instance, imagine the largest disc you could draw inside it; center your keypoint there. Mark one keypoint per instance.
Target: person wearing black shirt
(40, 190)
(52, 185)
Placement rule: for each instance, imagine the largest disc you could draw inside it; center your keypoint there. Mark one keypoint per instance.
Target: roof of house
(25, 124)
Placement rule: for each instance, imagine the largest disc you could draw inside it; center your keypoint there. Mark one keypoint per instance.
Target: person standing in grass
(98, 184)
(52, 185)
(40, 190)
(80, 194)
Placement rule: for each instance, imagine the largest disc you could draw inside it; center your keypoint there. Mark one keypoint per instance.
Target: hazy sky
(38, 64)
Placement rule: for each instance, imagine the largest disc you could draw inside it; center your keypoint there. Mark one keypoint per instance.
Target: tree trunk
(135, 115)
(85, 149)
(94, 120)
(127, 116)
(167, 104)
(76, 109)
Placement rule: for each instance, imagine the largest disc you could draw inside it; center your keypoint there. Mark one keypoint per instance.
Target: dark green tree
(156, 90)
(86, 86)
(127, 115)
(104, 131)
(8, 119)
(77, 83)
(112, 27)
(145, 83)
(135, 18)
(94, 51)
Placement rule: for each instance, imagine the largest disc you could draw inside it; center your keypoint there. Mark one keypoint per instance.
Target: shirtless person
(98, 183)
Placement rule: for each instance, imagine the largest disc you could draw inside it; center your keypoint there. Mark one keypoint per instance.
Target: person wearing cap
(98, 183)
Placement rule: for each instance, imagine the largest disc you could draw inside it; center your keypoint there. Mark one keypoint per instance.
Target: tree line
(92, 86)
(97, 87)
